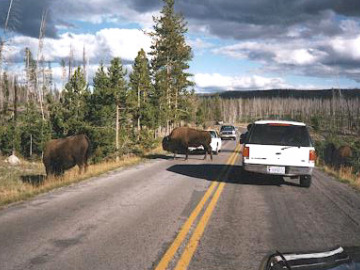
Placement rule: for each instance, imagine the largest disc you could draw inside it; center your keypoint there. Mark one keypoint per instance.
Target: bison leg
(86, 166)
(49, 171)
(59, 171)
(210, 152)
(82, 167)
(187, 153)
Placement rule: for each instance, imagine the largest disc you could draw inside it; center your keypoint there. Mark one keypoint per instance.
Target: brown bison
(338, 157)
(181, 138)
(63, 154)
(342, 156)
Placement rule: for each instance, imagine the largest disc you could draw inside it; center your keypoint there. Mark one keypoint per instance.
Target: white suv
(279, 148)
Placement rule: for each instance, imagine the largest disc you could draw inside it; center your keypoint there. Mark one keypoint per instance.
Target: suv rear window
(213, 134)
(289, 135)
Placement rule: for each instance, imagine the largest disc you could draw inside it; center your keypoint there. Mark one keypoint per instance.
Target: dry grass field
(26, 180)
(344, 174)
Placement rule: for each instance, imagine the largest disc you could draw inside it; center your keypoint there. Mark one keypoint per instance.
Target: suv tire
(305, 181)
(217, 150)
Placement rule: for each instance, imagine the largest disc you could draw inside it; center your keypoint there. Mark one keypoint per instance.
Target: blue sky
(237, 44)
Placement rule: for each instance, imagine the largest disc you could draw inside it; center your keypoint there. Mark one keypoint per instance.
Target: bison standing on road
(181, 138)
(63, 154)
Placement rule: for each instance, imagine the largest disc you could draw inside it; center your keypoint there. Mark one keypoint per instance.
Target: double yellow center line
(199, 230)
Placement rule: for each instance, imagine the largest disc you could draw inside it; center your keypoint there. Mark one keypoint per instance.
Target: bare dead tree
(40, 63)
(1, 82)
(85, 64)
(70, 63)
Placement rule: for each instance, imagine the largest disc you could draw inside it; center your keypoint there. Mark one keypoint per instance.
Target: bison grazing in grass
(342, 156)
(338, 157)
(181, 138)
(63, 154)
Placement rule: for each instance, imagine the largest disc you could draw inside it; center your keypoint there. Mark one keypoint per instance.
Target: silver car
(228, 132)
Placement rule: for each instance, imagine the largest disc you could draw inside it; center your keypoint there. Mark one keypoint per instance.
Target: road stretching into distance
(176, 214)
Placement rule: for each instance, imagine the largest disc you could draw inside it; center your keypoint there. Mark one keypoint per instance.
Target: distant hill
(287, 93)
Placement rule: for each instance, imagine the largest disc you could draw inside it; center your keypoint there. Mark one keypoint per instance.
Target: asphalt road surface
(176, 214)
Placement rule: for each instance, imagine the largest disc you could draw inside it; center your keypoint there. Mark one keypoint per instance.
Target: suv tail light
(312, 155)
(246, 152)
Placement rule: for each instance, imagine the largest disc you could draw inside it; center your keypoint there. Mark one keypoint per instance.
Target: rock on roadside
(13, 160)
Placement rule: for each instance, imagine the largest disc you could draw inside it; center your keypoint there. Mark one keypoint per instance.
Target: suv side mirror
(242, 138)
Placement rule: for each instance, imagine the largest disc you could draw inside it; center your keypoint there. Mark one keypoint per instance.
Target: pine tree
(200, 116)
(119, 91)
(74, 103)
(102, 100)
(141, 92)
(102, 115)
(170, 60)
(34, 131)
(217, 108)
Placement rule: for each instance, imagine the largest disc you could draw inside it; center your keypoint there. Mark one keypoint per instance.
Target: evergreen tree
(34, 131)
(217, 109)
(57, 119)
(188, 104)
(74, 103)
(141, 92)
(170, 60)
(102, 101)
(200, 116)
(118, 87)
(119, 92)
(102, 115)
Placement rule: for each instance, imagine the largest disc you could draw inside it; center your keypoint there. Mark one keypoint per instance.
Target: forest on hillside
(120, 112)
(335, 110)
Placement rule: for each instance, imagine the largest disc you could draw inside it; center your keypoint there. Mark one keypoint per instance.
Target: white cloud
(100, 11)
(206, 81)
(347, 47)
(102, 45)
(297, 53)
(313, 57)
(296, 57)
(199, 43)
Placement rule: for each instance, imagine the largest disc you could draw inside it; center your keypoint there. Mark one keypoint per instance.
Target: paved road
(140, 218)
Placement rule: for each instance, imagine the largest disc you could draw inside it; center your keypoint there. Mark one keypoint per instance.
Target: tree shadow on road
(35, 180)
(211, 172)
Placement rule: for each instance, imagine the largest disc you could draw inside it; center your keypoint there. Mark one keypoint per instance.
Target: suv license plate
(276, 170)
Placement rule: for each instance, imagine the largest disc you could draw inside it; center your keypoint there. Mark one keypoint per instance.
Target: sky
(237, 44)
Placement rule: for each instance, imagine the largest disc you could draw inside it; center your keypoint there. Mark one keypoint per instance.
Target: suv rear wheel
(305, 181)
(217, 149)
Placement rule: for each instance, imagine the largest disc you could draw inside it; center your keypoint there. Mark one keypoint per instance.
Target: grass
(344, 174)
(18, 183)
